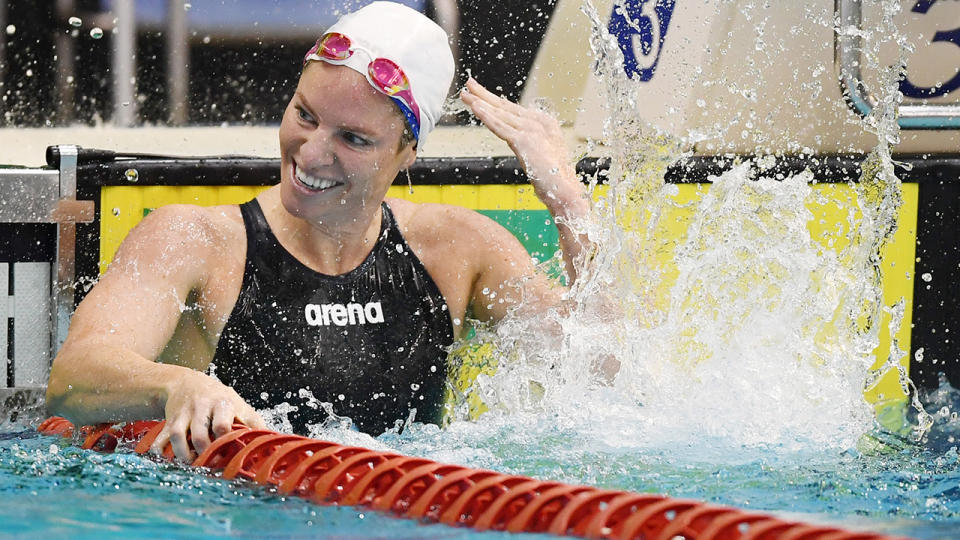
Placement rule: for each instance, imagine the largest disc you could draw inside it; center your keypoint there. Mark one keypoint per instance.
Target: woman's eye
(355, 139)
(304, 115)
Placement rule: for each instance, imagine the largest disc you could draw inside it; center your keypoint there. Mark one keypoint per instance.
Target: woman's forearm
(92, 384)
(569, 204)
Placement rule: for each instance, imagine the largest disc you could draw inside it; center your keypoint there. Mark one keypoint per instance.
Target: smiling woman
(338, 139)
(247, 280)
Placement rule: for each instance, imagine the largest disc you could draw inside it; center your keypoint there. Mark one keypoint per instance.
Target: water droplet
(206, 39)
(96, 32)
(414, 387)
(187, 6)
(341, 397)
(11, 29)
(131, 175)
(927, 276)
(74, 21)
(116, 212)
(264, 396)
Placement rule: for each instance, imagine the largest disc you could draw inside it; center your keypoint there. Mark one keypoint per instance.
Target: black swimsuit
(372, 342)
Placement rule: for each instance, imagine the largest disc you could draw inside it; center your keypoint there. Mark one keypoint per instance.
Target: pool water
(50, 488)
(892, 485)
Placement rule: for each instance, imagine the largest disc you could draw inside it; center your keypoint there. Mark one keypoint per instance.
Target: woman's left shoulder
(441, 221)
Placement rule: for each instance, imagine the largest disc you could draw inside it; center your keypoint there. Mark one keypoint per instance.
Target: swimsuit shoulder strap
(260, 239)
(253, 218)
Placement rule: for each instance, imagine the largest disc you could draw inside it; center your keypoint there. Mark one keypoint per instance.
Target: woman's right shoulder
(188, 224)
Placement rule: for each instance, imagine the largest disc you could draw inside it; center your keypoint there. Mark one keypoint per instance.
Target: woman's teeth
(313, 182)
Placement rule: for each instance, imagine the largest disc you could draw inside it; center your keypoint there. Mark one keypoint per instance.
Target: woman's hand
(203, 405)
(536, 139)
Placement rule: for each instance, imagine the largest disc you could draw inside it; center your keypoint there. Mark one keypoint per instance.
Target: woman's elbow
(59, 387)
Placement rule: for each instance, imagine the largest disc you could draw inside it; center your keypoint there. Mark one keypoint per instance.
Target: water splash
(746, 332)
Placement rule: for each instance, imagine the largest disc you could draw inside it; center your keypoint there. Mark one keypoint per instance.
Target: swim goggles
(382, 73)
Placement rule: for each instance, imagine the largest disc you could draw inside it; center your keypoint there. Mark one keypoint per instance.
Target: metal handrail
(65, 273)
(848, 48)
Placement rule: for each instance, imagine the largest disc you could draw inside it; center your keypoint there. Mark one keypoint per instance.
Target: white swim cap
(411, 41)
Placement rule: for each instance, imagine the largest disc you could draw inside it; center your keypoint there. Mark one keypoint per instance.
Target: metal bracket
(847, 59)
(64, 276)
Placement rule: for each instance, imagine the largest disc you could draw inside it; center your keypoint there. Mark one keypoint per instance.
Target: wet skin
(141, 339)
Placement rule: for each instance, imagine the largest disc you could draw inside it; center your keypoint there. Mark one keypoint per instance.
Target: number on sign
(950, 36)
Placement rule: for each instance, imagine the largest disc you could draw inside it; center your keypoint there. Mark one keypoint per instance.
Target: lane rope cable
(422, 489)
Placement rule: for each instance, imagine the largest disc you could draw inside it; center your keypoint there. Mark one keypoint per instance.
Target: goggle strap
(408, 114)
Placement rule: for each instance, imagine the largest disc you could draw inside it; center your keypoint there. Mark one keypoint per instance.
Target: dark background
(231, 81)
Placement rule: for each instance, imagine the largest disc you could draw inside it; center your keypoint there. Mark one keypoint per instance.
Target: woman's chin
(291, 203)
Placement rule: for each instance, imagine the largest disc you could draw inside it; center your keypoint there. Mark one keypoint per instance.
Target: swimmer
(319, 290)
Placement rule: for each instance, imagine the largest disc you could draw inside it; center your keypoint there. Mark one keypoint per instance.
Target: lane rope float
(418, 488)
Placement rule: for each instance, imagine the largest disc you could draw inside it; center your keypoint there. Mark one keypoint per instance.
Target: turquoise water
(52, 488)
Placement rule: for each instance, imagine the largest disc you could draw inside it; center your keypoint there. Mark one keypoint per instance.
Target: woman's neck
(329, 247)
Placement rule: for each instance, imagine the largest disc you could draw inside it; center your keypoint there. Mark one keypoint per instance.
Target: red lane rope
(329, 473)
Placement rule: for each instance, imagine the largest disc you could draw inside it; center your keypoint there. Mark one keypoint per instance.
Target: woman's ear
(411, 156)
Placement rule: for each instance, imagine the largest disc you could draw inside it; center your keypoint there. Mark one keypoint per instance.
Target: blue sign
(950, 36)
(640, 27)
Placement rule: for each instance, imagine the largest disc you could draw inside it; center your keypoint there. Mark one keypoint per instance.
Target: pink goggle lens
(390, 78)
(335, 46)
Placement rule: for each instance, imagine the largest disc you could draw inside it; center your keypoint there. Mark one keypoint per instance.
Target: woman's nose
(318, 148)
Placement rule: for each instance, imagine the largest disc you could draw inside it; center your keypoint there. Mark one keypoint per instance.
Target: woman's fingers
(533, 135)
(161, 440)
(175, 433)
(494, 122)
(223, 416)
(200, 429)
(478, 90)
(527, 123)
(208, 409)
(254, 420)
(493, 106)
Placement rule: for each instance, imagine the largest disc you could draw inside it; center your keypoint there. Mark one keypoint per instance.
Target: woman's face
(339, 152)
